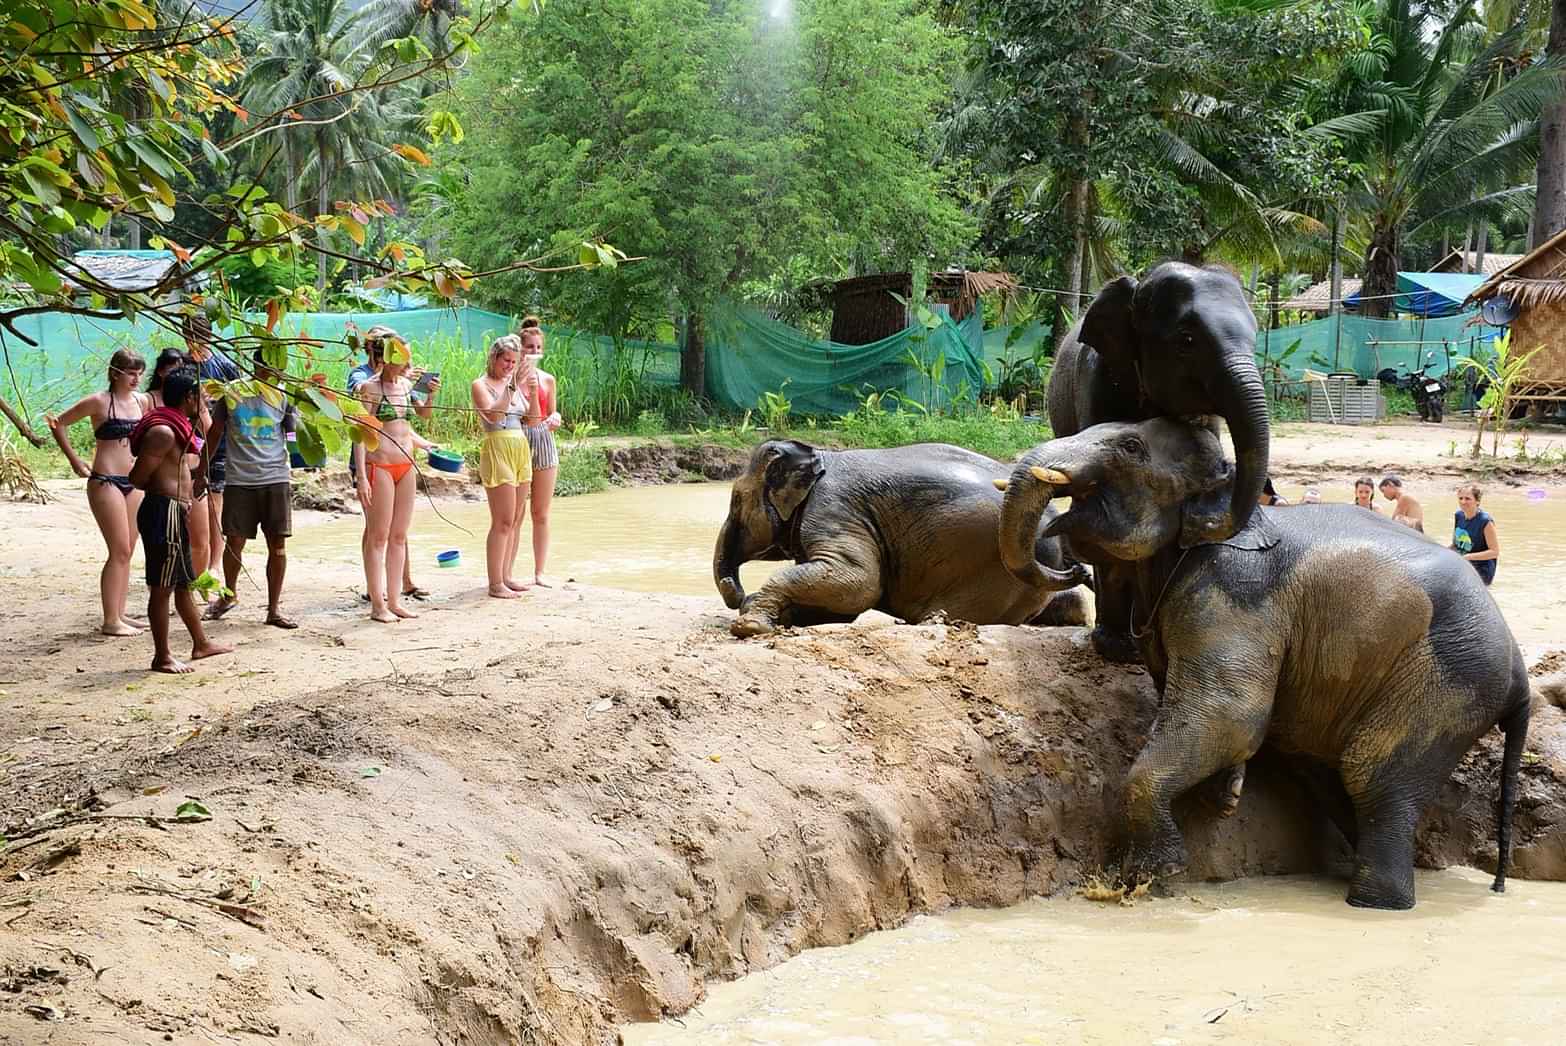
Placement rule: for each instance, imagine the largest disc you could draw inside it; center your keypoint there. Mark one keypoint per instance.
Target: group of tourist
(180, 470)
(1473, 529)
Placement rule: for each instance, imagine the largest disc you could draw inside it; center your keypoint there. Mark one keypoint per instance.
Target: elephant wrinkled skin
(909, 531)
(1368, 656)
(1181, 342)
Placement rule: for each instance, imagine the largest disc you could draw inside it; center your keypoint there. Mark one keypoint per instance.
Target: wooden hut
(1535, 287)
(864, 308)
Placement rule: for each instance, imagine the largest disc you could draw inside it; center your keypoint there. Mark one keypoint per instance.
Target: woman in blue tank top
(1473, 533)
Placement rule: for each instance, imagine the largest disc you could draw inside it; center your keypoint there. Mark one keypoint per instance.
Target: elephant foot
(747, 625)
(1376, 889)
(1221, 792)
(1117, 647)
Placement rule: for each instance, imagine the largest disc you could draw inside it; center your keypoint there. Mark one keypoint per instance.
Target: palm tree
(1436, 137)
(334, 138)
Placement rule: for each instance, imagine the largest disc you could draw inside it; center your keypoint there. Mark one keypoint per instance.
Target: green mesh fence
(748, 354)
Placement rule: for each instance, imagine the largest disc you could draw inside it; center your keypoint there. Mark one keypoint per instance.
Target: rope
(1140, 634)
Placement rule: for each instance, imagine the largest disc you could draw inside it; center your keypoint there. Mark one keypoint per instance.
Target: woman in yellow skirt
(505, 460)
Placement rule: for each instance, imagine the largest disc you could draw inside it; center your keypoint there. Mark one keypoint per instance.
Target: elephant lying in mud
(1364, 654)
(909, 531)
(1181, 342)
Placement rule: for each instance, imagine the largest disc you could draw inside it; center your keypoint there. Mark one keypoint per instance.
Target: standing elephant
(909, 531)
(1347, 642)
(1181, 342)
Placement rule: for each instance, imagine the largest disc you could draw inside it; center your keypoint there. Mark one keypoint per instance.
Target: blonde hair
(504, 343)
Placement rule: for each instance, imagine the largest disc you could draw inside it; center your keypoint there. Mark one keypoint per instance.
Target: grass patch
(583, 470)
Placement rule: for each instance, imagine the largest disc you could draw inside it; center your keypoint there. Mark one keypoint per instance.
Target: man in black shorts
(160, 442)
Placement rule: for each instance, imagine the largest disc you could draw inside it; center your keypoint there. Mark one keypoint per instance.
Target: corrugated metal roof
(124, 270)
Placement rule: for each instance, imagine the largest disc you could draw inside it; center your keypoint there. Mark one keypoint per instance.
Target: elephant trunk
(1243, 402)
(726, 560)
(1028, 494)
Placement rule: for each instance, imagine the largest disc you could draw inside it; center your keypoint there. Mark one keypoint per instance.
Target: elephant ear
(1108, 326)
(792, 469)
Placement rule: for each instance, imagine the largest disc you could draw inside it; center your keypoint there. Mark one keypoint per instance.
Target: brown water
(659, 539)
(1279, 961)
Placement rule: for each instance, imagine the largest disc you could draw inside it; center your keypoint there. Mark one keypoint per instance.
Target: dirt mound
(656, 463)
(591, 821)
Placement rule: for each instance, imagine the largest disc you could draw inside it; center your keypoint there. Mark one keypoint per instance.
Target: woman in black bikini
(114, 412)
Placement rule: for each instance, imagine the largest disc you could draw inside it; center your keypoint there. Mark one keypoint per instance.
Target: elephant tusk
(1054, 477)
(1000, 484)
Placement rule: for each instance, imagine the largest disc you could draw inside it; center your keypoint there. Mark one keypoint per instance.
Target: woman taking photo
(114, 412)
(542, 421)
(387, 483)
(505, 460)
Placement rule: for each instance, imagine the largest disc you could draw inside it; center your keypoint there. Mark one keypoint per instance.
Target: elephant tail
(1515, 726)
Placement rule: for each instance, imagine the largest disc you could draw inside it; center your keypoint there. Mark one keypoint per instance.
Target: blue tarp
(1429, 293)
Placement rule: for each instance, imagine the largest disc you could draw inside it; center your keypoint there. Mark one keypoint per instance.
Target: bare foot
(219, 608)
(542, 582)
(502, 592)
(121, 628)
(516, 586)
(401, 611)
(134, 622)
(385, 617)
(277, 620)
(171, 666)
(209, 649)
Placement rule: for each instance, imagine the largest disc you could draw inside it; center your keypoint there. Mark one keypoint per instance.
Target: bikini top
(114, 428)
(386, 410)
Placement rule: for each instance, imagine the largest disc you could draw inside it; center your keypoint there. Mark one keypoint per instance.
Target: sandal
(416, 593)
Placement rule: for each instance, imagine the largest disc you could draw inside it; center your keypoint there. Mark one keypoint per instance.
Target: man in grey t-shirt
(259, 494)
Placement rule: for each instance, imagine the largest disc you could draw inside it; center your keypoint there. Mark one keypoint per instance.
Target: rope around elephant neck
(1147, 626)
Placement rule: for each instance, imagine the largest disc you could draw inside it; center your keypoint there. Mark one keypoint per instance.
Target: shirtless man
(1407, 511)
(160, 442)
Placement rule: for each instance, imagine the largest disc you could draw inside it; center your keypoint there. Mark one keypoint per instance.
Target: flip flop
(414, 593)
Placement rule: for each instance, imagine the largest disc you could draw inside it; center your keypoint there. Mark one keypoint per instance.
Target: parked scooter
(1429, 392)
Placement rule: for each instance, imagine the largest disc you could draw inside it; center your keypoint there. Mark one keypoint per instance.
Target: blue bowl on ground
(446, 461)
(448, 558)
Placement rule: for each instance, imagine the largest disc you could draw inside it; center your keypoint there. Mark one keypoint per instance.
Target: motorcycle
(1429, 391)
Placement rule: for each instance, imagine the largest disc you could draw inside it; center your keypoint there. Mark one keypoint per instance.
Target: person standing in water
(505, 460)
(1407, 511)
(542, 420)
(161, 441)
(110, 495)
(1473, 533)
(1365, 493)
(386, 483)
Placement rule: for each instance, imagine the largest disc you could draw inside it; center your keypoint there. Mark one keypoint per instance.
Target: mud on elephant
(1374, 690)
(909, 531)
(1181, 342)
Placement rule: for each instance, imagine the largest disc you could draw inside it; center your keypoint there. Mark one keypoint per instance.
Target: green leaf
(149, 153)
(370, 771)
(214, 156)
(84, 131)
(323, 402)
(193, 810)
(41, 187)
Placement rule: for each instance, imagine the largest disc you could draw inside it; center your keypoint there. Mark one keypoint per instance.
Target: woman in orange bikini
(387, 482)
(114, 412)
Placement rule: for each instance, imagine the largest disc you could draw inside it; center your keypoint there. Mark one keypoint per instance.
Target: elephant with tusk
(1366, 655)
(908, 531)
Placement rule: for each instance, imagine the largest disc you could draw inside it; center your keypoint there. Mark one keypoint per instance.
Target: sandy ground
(529, 821)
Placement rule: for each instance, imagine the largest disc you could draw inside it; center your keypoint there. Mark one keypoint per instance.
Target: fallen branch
(70, 820)
(243, 913)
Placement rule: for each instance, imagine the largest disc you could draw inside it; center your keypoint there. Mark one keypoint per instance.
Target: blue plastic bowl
(446, 461)
(448, 558)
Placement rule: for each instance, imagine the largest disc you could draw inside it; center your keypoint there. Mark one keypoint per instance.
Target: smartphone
(422, 386)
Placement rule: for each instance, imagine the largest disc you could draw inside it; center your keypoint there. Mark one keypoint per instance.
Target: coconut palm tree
(1437, 135)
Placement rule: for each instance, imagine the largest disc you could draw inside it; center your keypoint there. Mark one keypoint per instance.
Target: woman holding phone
(505, 460)
(542, 421)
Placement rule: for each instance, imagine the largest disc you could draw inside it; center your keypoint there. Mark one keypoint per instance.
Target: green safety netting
(748, 353)
(1366, 346)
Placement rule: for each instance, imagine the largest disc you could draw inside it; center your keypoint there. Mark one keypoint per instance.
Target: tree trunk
(1480, 244)
(1549, 209)
(693, 358)
(1076, 226)
(1275, 316)
(322, 203)
(1380, 272)
(1085, 277)
(1468, 248)
(1335, 295)
(20, 422)
(132, 233)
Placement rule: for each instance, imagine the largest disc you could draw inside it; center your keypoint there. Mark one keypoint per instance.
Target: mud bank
(502, 831)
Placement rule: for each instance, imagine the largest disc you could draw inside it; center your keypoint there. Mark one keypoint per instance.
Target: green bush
(583, 470)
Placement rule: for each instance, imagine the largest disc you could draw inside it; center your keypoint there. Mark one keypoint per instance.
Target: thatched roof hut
(864, 309)
(1535, 287)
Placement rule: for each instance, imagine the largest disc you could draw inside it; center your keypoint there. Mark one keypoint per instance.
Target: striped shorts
(545, 454)
(161, 521)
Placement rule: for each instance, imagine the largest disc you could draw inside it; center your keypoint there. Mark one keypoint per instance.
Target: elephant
(909, 531)
(1181, 342)
(1369, 657)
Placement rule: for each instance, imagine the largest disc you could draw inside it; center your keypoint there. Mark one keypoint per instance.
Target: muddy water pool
(659, 539)
(1278, 960)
